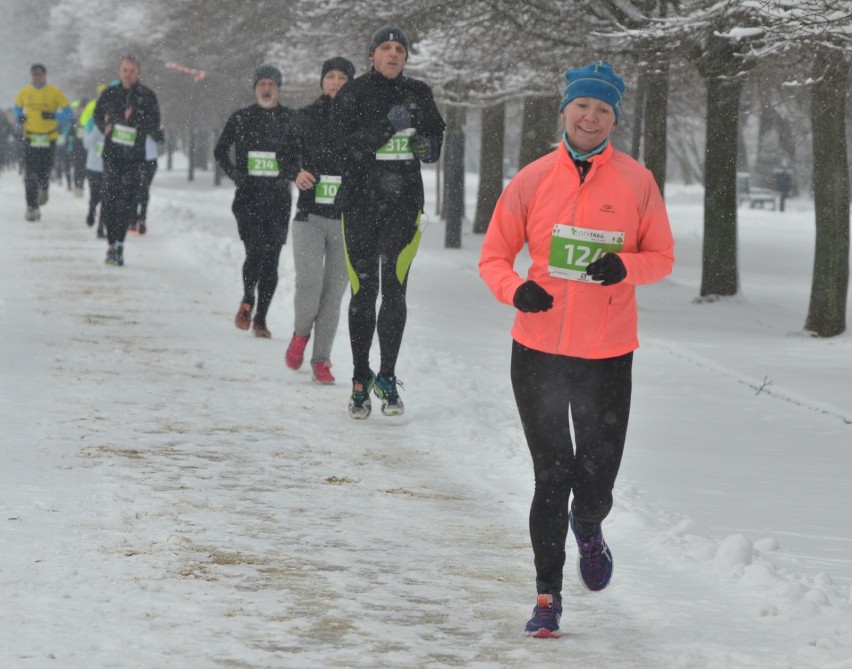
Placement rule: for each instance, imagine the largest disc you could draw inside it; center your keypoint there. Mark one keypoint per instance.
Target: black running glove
(421, 147)
(609, 270)
(399, 118)
(532, 298)
(238, 177)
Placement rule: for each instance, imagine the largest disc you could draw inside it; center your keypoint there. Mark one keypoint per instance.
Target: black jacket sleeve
(429, 123)
(223, 147)
(146, 114)
(351, 132)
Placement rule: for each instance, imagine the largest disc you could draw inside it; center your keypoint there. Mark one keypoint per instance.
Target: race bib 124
(572, 249)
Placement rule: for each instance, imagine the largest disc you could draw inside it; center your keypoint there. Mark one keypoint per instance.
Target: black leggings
(260, 270)
(143, 193)
(117, 189)
(95, 183)
(554, 392)
(380, 246)
(38, 162)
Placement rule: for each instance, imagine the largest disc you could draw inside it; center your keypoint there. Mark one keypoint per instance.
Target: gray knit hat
(268, 72)
(389, 33)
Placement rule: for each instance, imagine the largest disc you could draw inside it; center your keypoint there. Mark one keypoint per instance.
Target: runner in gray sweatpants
(318, 250)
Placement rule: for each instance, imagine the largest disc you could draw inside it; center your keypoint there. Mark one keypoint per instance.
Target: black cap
(38, 67)
(338, 63)
(389, 33)
(268, 72)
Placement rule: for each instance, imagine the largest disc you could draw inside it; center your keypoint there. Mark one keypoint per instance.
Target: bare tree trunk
(490, 166)
(656, 115)
(719, 274)
(540, 127)
(827, 310)
(638, 117)
(453, 206)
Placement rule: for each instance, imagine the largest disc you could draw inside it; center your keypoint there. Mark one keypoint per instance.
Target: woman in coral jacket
(596, 227)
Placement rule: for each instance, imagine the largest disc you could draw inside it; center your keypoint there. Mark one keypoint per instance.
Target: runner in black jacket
(318, 253)
(126, 114)
(385, 124)
(265, 165)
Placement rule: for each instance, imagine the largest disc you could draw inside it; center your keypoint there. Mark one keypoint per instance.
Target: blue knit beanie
(596, 80)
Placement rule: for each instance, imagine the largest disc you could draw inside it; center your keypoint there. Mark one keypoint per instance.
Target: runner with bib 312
(384, 125)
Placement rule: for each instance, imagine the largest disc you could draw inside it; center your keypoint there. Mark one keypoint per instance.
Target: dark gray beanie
(268, 72)
(38, 67)
(389, 33)
(337, 63)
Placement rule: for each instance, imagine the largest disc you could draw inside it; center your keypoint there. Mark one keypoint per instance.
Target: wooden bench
(757, 198)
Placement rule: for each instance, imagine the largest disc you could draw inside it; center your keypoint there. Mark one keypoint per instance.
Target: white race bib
(326, 189)
(398, 147)
(40, 141)
(123, 134)
(262, 164)
(573, 249)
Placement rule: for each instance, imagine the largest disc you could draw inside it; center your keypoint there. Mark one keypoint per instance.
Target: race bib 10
(262, 164)
(326, 189)
(572, 249)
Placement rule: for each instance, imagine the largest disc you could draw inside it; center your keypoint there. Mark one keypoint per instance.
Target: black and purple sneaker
(594, 563)
(544, 623)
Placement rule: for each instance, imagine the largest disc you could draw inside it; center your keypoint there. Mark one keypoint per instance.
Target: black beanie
(389, 34)
(38, 67)
(268, 72)
(337, 63)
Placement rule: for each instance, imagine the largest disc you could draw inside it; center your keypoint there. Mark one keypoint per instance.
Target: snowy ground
(172, 495)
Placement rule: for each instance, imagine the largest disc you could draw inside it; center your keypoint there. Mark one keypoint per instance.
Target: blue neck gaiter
(582, 156)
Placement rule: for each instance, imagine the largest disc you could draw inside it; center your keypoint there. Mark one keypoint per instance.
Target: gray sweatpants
(321, 279)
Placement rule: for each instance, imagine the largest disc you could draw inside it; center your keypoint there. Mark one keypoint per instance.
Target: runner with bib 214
(265, 164)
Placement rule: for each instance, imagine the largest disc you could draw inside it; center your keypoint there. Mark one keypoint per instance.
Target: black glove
(421, 147)
(399, 118)
(48, 116)
(609, 270)
(238, 177)
(531, 298)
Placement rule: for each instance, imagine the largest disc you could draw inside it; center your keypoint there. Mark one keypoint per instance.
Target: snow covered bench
(756, 197)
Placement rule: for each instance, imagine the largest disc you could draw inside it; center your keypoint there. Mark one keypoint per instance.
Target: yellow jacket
(33, 101)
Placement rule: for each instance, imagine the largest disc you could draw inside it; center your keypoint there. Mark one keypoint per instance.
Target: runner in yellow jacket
(38, 107)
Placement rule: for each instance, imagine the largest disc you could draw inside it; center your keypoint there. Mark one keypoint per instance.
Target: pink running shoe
(295, 355)
(322, 373)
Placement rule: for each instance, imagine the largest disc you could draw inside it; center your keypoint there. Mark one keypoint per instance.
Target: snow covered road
(173, 496)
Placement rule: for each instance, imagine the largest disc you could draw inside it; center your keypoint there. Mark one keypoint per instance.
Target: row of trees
(769, 60)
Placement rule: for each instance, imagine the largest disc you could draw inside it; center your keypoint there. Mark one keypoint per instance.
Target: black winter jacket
(310, 133)
(255, 129)
(144, 119)
(359, 127)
